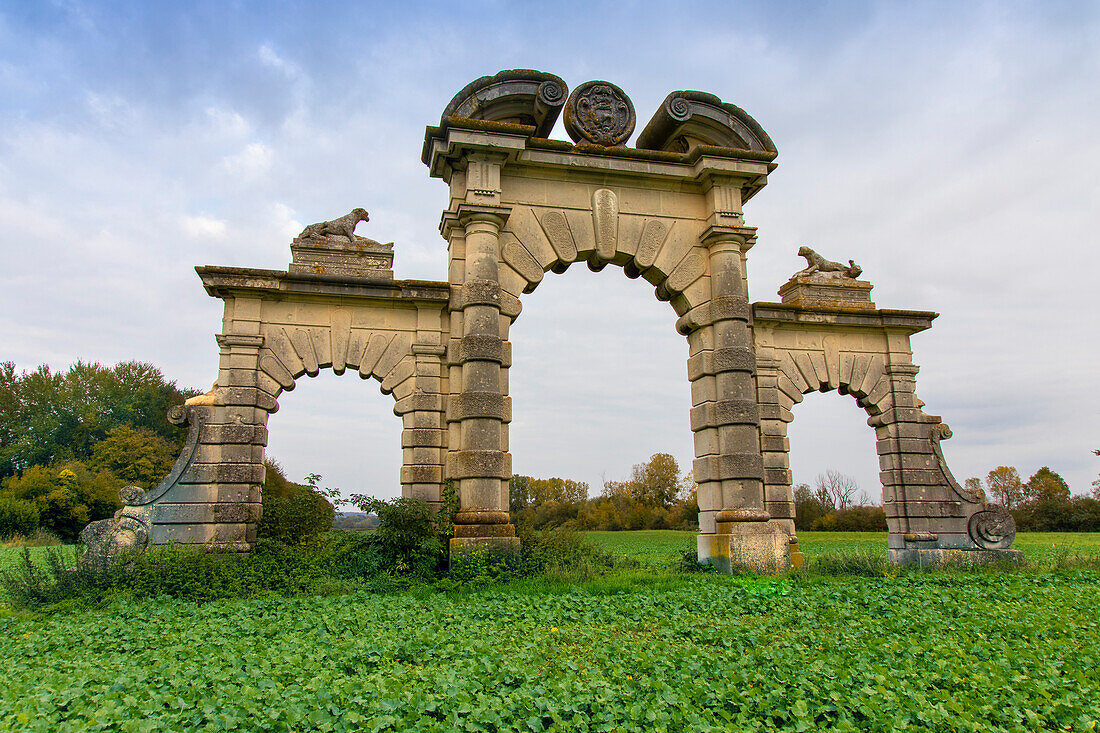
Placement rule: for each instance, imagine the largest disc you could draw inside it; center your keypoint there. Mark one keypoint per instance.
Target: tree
(1046, 486)
(840, 488)
(808, 506)
(67, 495)
(1005, 485)
(658, 482)
(46, 417)
(135, 455)
(974, 485)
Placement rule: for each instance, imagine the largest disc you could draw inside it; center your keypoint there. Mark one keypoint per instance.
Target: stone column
(422, 438)
(480, 464)
(743, 534)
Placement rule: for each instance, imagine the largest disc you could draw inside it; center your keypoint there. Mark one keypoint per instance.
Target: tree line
(70, 440)
(1043, 503)
(656, 496)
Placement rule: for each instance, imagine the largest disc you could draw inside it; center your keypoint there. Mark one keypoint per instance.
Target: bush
(293, 514)
(411, 536)
(17, 517)
(67, 495)
(853, 519)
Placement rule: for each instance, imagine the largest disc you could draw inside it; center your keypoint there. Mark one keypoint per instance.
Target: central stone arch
(668, 211)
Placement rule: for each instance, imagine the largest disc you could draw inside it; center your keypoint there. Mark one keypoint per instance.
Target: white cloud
(203, 227)
(285, 223)
(227, 122)
(255, 159)
(269, 58)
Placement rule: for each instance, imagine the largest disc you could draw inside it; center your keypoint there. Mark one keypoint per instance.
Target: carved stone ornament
(344, 226)
(333, 248)
(599, 112)
(993, 528)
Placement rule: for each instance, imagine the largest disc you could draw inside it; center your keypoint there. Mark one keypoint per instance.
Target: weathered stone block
(762, 547)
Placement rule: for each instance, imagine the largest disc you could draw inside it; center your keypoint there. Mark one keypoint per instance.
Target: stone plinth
(336, 255)
(763, 547)
(820, 291)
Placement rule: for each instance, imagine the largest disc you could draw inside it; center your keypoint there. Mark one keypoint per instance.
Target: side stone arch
(277, 327)
(868, 356)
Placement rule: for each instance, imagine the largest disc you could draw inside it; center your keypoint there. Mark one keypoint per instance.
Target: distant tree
(808, 506)
(974, 484)
(840, 488)
(658, 482)
(1046, 486)
(518, 494)
(1005, 486)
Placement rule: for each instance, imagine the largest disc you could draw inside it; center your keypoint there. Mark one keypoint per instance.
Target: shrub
(560, 551)
(67, 495)
(293, 514)
(411, 535)
(17, 517)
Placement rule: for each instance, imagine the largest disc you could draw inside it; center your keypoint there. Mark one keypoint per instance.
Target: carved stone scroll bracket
(195, 415)
(517, 96)
(107, 539)
(943, 432)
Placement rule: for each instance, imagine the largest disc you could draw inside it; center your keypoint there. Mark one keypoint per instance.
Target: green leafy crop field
(643, 649)
(663, 546)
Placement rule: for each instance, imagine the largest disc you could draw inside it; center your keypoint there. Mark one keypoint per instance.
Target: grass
(664, 546)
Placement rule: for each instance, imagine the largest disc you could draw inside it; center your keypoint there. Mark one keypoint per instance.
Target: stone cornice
(903, 320)
(223, 282)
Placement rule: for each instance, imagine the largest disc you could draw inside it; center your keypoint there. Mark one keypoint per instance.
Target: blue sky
(951, 149)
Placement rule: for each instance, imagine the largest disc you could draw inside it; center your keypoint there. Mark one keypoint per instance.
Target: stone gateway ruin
(522, 206)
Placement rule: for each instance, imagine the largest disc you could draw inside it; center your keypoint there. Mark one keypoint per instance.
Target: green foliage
(655, 497)
(1046, 486)
(17, 517)
(47, 417)
(67, 495)
(293, 514)
(852, 519)
(412, 535)
(137, 456)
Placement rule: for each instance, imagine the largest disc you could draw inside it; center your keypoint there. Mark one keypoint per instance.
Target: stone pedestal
(827, 291)
(763, 547)
(339, 256)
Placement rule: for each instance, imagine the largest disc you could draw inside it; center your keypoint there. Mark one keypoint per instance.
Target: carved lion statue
(816, 263)
(344, 226)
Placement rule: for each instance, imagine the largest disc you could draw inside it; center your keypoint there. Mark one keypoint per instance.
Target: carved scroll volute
(993, 528)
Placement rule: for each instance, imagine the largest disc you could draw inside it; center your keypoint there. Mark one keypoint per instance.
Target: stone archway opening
(597, 379)
(830, 432)
(342, 428)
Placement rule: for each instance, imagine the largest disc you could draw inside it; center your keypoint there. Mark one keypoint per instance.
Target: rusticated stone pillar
(480, 406)
(743, 534)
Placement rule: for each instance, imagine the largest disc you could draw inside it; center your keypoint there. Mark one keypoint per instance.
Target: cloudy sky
(952, 149)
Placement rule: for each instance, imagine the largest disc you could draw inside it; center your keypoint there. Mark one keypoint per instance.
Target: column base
(761, 547)
(957, 557)
(493, 547)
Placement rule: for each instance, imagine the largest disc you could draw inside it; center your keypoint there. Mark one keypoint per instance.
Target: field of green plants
(643, 648)
(658, 546)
